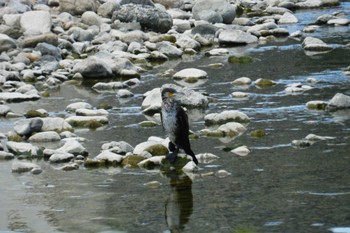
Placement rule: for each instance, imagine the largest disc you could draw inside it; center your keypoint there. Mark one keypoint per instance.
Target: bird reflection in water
(179, 205)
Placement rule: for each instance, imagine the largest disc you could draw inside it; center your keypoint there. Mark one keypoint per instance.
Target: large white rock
(226, 116)
(339, 101)
(61, 157)
(78, 105)
(72, 146)
(152, 147)
(49, 136)
(18, 97)
(315, 44)
(191, 73)
(84, 121)
(288, 18)
(91, 112)
(241, 151)
(236, 37)
(36, 22)
(109, 157)
(190, 167)
(22, 148)
(55, 124)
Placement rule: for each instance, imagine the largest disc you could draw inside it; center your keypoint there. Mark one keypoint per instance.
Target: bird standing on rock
(175, 124)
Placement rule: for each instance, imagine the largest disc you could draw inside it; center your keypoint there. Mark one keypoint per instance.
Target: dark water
(276, 188)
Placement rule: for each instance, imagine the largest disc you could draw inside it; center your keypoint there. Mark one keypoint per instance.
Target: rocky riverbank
(47, 43)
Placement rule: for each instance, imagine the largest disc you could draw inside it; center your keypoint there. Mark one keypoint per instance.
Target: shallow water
(276, 188)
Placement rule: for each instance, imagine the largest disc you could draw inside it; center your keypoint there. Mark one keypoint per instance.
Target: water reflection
(179, 205)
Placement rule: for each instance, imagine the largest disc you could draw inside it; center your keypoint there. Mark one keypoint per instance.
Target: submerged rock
(206, 157)
(23, 149)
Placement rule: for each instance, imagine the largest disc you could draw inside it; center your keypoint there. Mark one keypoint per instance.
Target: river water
(276, 188)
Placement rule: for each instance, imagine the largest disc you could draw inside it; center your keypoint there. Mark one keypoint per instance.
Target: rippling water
(276, 188)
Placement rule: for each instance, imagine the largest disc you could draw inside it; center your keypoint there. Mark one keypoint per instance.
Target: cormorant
(175, 124)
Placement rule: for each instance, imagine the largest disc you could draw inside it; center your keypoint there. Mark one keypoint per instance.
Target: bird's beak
(171, 94)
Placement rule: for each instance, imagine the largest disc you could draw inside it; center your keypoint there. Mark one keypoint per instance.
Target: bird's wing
(182, 120)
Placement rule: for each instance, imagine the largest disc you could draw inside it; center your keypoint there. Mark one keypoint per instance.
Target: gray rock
(288, 18)
(22, 148)
(20, 167)
(108, 87)
(208, 31)
(55, 124)
(78, 105)
(226, 116)
(31, 42)
(186, 42)
(323, 19)
(202, 8)
(339, 101)
(12, 20)
(27, 127)
(236, 37)
(168, 49)
(277, 10)
(155, 148)
(190, 74)
(61, 157)
(4, 109)
(315, 44)
(109, 157)
(120, 147)
(170, 3)
(85, 121)
(124, 93)
(339, 22)
(6, 43)
(106, 9)
(149, 17)
(90, 18)
(177, 13)
(91, 112)
(78, 7)
(6, 155)
(80, 34)
(69, 167)
(49, 49)
(49, 136)
(72, 146)
(93, 68)
(36, 22)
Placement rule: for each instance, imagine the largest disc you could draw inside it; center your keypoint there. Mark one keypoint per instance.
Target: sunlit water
(276, 188)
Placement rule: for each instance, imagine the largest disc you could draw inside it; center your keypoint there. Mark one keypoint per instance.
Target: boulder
(225, 117)
(27, 127)
(315, 44)
(288, 18)
(167, 48)
(32, 41)
(339, 101)
(91, 18)
(93, 68)
(6, 43)
(72, 146)
(149, 17)
(109, 157)
(22, 149)
(214, 11)
(78, 7)
(78, 105)
(236, 37)
(36, 23)
(190, 74)
(155, 148)
(20, 167)
(55, 124)
(61, 157)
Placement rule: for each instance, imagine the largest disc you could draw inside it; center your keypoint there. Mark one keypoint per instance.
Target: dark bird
(175, 124)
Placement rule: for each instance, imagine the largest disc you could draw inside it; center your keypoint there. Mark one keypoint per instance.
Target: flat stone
(226, 116)
(191, 73)
(315, 44)
(236, 37)
(109, 157)
(49, 136)
(17, 97)
(20, 167)
(61, 157)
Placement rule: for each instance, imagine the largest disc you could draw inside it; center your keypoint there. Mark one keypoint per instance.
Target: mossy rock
(93, 163)
(170, 38)
(131, 161)
(316, 105)
(240, 59)
(179, 163)
(45, 94)
(105, 106)
(91, 124)
(14, 138)
(157, 149)
(148, 124)
(264, 83)
(259, 133)
(149, 164)
(34, 113)
(213, 133)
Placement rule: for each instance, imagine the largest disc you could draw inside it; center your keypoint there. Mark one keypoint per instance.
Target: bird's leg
(190, 152)
(173, 154)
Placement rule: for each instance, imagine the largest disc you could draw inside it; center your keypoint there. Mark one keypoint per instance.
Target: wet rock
(288, 18)
(206, 157)
(185, 42)
(239, 94)
(69, 167)
(27, 127)
(155, 148)
(120, 147)
(339, 101)
(171, 51)
(323, 19)
(214, 11)
(73, 107)
(236, 37)
(6, 43)
(147, 124)
(48, 49)
(240, 59)
(49, 136)
(231, 129)
(315, 44)
(225, 117)
(217, 52)
(94, 163)
(190, 167)
(61, 157)
(222, 173)
(18, 97)
(78, 7)
(4, 109)
(35, 23)
(131, 160)
(338, 22)
(20, 167)
(241, 151)
(124, 93)
(316, 105)
(91, 112)
(32, 41)
(87, 121)
(151, 162)
(264, 83)
(309, 140)
(22, 149)
(108, 87)
(190, 75)
(181, 25)
(93, 68)
(36, 113)
(149, 17)
(6, 155)
(314, 137)
(109, 157)
(297, 88)
(207, 31)
(153, 184)
(72, 146)
(106, 9)
(55, 124)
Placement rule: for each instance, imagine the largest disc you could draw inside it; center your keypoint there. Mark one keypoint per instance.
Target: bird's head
(168, 93)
